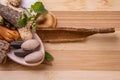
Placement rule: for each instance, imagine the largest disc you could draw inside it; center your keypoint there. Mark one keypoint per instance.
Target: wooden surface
(89, 19)
(60, 75)
(96, 58)
(82, 5)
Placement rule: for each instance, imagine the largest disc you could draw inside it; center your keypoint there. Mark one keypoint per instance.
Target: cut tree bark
(10, 14)
(70, 34)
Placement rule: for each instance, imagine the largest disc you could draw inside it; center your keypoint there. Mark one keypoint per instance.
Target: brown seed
(14, 3)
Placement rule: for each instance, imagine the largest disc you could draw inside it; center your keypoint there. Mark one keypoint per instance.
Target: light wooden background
(82, 5)
(97, 58)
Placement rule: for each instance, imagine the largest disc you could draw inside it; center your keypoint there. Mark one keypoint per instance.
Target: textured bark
(9, 14)
(70, 34)
(4, 46)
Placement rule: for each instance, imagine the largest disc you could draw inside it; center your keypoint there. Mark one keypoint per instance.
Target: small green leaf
(23, 20)
(38, 7)
(1, 20)
(33, 27)
(48, 56)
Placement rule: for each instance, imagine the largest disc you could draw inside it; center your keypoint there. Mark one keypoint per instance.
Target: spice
(14, 3)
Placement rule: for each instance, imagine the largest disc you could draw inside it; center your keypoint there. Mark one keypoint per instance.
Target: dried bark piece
(9, 14)
(4, 47)
(70, 34)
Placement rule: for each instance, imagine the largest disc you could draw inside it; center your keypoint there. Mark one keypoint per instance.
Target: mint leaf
(48, 56)
(38, 7)
(23, 20)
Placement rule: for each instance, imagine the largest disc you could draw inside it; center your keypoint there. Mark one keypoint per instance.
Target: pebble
(21, 52)
(16, 44)
(30, 44)
(34, 57)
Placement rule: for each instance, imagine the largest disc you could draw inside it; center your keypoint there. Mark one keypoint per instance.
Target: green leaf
(33, 27)
(23, 20)
(38, 7)
(1, 20)
(48, 56)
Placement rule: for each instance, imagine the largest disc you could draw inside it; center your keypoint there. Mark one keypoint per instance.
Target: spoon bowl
(21, 60)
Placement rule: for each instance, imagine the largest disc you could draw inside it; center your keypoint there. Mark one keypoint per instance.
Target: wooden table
(96, 58)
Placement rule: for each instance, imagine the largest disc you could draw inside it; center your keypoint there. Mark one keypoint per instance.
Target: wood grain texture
(89, 19)
(82, 5)
(60, 75)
